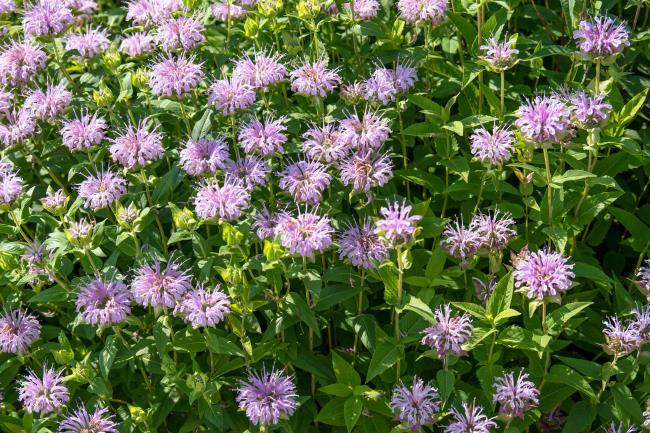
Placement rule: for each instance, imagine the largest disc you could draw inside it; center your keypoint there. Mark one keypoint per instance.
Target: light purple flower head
(385, 84)
(156, 287)
(183, 32)
(20, 61)
(7, 7)
(314, 79)
(619, 428)
(137, 44)
(175, 76)
(203, 308)
(102, 189)
(6, 100)
(18, 330)
(221, 10)
(483, 289)
(544, 120)
(85, 8)
(79, 231)
(494, 147)
(470, 420)
(642, 322)
(494, 229)
(363, 9)
(646, 415)
(36, 256)
(46, 17)
(588, 111)
(461, 242)
(43, 394)
(499, 55)
(89, 43)
(226, 202)
(204, 156)
(515, 396)
(49, 104)
(264, 138)
(136, 146)
(601, 36)
(251, 170)
(544, 274)
(397, 225)
(261, 70)
(366, 133)
(267, 397)
(264, 223)
(305, 234)
(620, 339)
(362, 246)
(230, 95)
(305, 181)
(423, 10)
(18, 126)
(82, 421)
(449, 332)
(54, 201)
(366, 170)
(322, 143)
(83, 132)
(416, 406)
(352, 93)
(103, 302)
(11, 185)
(643, 276)
(146, 12)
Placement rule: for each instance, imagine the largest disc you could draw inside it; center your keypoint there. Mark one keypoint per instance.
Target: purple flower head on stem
(619, 428)
(620, 339)
(646, 415)
(261, 70)
(543, 274)
(175, 75)
(147, 12)
(103, 302)
(264, 138)
(18, 126)
(136, 146)
(322, 143)
(203, 308)
(204, 155)
(46, 17)
(366, 133)
(156, 287)
(7, 7)
(515, 396)
(89, 43)
(267, 396)
(226, 202)
(601, 36)
(251, 170)
(230, 95)
(54, 201)
(11, 185)
(314, 79)
(362, 246)
(366, 170)
(83, 132)
(20, 61)
(499, 55)
(183, 32)
(470, 420)
(494, 147)
(224, 9)
(305, 181)
(397, 225)
(364, 10)
(49, 103)
(18, 330)
(643, 276)
(544, 121)
(82, 421)
(461, 242)
(43, 394)
(137, 44)
(423, 10)
(415, 406)
(449, 332)
(101, 189)
(641, 322)
(384, 85)
(304, 235)
(588, 111)
(494, 228)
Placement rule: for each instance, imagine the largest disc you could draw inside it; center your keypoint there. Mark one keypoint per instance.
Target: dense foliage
(374, 216)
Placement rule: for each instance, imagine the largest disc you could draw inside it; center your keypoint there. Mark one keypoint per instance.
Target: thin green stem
(359, 313)
(403, 143)
(503, 94)
(400, 283)
(549, 189)
(163, 238)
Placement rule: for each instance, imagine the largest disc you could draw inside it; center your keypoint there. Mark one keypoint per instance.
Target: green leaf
(473, 309)
(417, 306)
(385, 356)
(298, 306)
(519, 338)
(126, 244)
(56, 294)
(570, 176)
(629, 111)
(627, 403)
(202, 128)
(501, 296)
(558, 318)
(581, 416)
(331, 413)
(352, 411)
(567, 376)
(638, 229)
(445, 380)
(107, 356)
(344, 372)
(334, 295)
(424, 129)
(337, 389)
(222, 345)
(590, 369)
(388, 275)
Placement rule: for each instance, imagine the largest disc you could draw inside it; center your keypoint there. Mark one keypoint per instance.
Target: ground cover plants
(319, 216)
